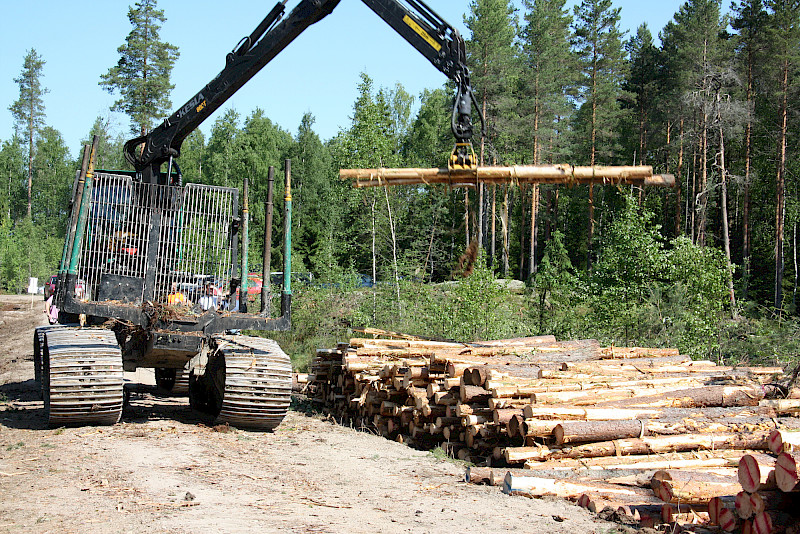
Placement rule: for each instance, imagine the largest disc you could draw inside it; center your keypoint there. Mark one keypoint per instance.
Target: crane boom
(417, 23)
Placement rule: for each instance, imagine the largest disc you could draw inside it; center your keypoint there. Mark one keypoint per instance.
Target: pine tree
(548, 76)
(750, 22)
(784, 36)
(319, 218)
(643, 85)
(28, 110)
(491, 58)
(598, 42)
(697, 58)
(142, 74)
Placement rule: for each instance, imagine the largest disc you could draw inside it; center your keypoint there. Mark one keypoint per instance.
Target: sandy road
(162, 470)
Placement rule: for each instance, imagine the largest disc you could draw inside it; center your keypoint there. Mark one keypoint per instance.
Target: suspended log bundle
(517, 174)
(652, 434)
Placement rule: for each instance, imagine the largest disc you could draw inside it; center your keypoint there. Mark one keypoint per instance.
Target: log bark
(504, 415)
(591, 396)
(617, 353)
(427, 343)
(469, 394)
(535, 428)
(598, 385)
(587, 431)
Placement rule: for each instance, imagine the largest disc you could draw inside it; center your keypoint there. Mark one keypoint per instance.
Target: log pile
(647, 432)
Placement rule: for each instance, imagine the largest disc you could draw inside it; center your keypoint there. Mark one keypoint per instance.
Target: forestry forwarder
(138, 241)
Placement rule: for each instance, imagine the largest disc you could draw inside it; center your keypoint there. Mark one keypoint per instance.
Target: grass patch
(441, 455)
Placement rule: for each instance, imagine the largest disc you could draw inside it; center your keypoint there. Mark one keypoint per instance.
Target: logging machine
(156, 262)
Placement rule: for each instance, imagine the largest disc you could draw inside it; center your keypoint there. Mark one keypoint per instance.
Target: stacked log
(648, 432)
(770, 497)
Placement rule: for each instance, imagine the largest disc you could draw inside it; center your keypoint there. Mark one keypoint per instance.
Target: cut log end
(749, 474)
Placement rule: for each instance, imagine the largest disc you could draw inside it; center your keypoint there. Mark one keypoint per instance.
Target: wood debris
(644, 433)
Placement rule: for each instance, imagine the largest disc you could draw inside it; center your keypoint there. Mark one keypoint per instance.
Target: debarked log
(568, 489)
(646, 445)
(611, 414)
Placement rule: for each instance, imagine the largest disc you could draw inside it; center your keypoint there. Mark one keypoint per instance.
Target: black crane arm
(439, 42)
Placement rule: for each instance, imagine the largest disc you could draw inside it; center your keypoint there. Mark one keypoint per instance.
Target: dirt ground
(162, 470)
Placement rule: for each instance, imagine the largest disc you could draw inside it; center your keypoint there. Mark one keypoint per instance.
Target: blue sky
(317, 73)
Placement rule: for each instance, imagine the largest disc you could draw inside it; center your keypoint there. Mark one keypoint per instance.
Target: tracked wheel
(247, 382)
(82, 377)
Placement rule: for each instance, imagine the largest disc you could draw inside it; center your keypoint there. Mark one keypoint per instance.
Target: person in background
(51, 310)
(231, 301)
(209, 300)
(176, 298)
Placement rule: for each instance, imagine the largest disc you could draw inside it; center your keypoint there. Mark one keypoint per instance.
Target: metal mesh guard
(163, 237)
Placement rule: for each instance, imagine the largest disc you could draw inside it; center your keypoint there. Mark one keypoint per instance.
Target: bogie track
(82, 377)
(247, 382)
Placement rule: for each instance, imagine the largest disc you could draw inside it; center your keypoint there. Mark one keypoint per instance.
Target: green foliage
(555, 300)
(109, 147)
(52, 185)
(13, 176)
(320, 318)
(26, 251)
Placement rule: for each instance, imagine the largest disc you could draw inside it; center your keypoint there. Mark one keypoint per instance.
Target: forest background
(710, 266)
